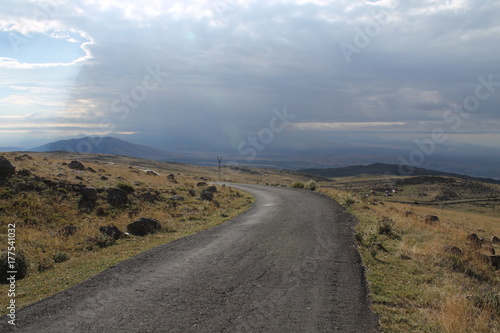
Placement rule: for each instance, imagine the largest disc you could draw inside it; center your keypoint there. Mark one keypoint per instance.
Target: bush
(347, 199)
(61, 257)
(385, 226)
(21, 267)
(297, 185)
(311, 185)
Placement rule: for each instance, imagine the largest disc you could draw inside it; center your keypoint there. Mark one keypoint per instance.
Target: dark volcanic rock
(206, 196)
(117, 197)
(6, 168)
(75, 165)
(143, 226)
(212, 189)
(474, 241)
(495, 240)
(431, 219)
(69, 230)
(20, 267)
(89, 194)
(111, 231)
(450, 249)
(171, 177)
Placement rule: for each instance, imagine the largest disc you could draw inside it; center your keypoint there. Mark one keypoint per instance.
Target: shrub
(61, 257)
(347, 199)
(297, 185)
(21, 267)
(45, 264)
(385, 226)
(310, 185)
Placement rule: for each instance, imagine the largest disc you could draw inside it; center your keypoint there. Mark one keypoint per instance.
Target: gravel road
(288, 264)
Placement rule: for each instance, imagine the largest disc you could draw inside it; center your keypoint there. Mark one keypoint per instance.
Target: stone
(495, 240)
(69, 230)
(171, 177)
(20, 267)
(474, 241)
(192, 192)
(24, 172)
(152, 173)
(408, 213)
(75, 165)
(212, 189)
(89, 194)
(111, 231)
(431, 219)
(206, 196)
(6, 168)
(450, 249)
(201, 184)
(117, 197)
(150, 197)
(143, 226)
(495, 261)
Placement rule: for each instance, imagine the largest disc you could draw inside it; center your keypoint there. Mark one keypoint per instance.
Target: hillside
(387, 170)
(106, 145)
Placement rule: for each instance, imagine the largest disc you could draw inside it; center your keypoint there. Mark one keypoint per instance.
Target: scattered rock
(69, 230)
(79, 178)
(216, 203)
(152, 173)
(150, 197)
(206, 196)
(117, 197)
(111, 231)
(201, 184)
(495, 240)
(212, 189)
(89, 194)
(177, 198)
(104, 178)
(6, 168)
(75, 165)
(21, 267)
(91, 170)
(474, 241)
(488, 249)
(431, 219)
(450, 249)
(24, 173)
(192, 192)
(143, 226)
(495, 261)
(171, 177)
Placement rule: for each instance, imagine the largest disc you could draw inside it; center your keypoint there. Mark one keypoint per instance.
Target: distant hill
(386, 169)
(107, 145)
(7, 149)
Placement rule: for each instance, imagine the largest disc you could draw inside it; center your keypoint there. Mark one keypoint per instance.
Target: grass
(45, 203)
(414, 285)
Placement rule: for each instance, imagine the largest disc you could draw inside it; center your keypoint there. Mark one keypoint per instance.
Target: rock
(192, 192)
(20, 267)
(201, 184)
(474, 241)
(24, 173)
(91, 170)
(89, 194)
(488, 249)
(206, 196)
(69, 230)
(495, 261)
(111, 231)
(212, 189)
(177, 198)
(152, 173)
(6, 168)
(171, 177)
(75, 165)
(117, 197)
(150, 197)
(143, 226)
(431, 219)
(450, 249)
(495, 240)
(104, 178)
(216, 203)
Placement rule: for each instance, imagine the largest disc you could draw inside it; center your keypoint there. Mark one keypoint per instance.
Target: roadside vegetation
(69, 227)
(432, 267)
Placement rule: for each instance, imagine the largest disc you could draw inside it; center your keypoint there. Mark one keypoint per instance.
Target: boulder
(192, 192)
(152, 173)
(24, 173)
(111, 231)
(143, 226)
(171, 177)
(150, 197)
(495, 240)
(69, 230)
(117, 196)
(206, 196)
(450, 249)
(89, 194)
(495, 261)
(474, 241)
(6, 168)
(212, 189)
(201, 184)
(75, 165)
(431, 219)
(20, 266)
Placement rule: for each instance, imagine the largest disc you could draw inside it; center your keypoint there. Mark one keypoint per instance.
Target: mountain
(388, 169)
(107, 145)
(7, 149)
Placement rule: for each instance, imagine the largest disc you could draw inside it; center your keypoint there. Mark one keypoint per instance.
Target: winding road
(288, 264)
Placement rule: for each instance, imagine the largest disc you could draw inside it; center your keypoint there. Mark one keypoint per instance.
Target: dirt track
(287, 265)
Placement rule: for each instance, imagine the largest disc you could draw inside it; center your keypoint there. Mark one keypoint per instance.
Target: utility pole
(219, 160)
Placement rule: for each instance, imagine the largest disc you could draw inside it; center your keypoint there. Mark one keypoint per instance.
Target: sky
(240, 75)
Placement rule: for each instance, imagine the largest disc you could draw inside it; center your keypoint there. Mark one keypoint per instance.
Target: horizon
(418, 81)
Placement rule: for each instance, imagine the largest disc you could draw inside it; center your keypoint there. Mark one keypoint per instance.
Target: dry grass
(416, 286)
(45, 202)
